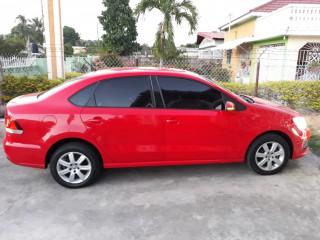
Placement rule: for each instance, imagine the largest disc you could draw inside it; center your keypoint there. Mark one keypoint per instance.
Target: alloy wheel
(74, 167)
(270, 156)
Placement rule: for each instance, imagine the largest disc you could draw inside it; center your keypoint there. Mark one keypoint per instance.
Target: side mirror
(230, 106)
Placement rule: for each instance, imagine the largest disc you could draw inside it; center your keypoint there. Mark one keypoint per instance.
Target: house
(79, 49)
(189, 52)
(207, 41)
(282, 35)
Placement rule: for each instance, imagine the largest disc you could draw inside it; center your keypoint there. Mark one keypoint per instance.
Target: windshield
(59, 87)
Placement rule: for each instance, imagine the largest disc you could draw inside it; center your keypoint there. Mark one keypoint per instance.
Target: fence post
(1, 80)
(257, 79)
(1, 76)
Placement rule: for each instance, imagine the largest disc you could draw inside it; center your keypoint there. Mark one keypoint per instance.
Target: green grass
(314, 143)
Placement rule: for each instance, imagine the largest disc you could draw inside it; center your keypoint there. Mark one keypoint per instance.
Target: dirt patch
(313, 121)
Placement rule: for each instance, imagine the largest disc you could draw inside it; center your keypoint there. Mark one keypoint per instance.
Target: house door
(308, 54)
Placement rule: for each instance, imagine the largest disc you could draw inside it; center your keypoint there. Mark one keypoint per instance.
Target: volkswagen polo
(135, 117)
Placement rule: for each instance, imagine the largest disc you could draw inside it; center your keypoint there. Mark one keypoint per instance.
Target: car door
(121, 116)
(196, 125)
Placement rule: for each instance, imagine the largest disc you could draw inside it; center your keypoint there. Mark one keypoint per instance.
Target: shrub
(13, 86)
(71, 75)
(294, 94)
(238, 88)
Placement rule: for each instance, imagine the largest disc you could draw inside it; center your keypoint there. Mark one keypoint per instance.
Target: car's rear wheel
(75, 165)
(268, 154)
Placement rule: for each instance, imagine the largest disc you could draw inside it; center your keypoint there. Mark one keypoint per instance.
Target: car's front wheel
(75, 165)
(268, 154)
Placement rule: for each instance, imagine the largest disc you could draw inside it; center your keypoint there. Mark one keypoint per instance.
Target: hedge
(294, 94)
(14, 86)
(70, 75)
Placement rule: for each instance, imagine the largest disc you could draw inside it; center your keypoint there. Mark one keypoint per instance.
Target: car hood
(273, 105)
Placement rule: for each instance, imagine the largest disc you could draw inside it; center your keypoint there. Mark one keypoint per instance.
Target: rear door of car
(123, 119)
(196, 125)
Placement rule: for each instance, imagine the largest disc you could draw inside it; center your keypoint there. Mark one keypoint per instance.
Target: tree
(172, 10)
(120, 26)
(28, 29)
(94, 47)
(10, 45)
(68, 50)
(22, 30)
(70, 35)
(190, 45)
(36, 30)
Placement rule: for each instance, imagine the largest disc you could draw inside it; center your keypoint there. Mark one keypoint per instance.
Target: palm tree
(164, 47)
(37, 30)
(22, 30)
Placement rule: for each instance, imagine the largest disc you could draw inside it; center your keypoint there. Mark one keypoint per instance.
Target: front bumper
(300, 144)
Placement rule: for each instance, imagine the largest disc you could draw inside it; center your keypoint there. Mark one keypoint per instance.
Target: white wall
(295, 43)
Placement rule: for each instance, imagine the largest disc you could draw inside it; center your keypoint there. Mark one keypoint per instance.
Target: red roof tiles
(276, 4)
(209, 35)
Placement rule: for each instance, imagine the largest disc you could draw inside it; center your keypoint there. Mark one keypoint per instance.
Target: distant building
(79, 50)
(284, 35)
(207, 41)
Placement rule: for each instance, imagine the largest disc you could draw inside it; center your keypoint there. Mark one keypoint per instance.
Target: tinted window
(82, 97)
(188, 94)
(131, 92)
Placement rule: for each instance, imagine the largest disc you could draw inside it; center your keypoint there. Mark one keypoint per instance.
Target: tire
(268, 154)
(75, 165)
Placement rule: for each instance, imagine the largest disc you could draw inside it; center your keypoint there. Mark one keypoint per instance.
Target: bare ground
(313, 121)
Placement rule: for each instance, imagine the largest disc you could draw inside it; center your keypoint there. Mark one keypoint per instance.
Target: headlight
(301, 123)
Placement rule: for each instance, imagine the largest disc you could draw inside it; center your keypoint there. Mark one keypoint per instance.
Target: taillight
(12, 126)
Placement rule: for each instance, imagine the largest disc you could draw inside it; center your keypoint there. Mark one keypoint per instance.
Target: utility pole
(98, 32)
(54, 38)
(1, 80)
(229, 15)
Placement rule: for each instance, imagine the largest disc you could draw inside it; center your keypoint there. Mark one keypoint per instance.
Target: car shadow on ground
(143, 174)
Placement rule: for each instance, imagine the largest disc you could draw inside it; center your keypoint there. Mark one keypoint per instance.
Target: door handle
(172, 121)
(96, 120)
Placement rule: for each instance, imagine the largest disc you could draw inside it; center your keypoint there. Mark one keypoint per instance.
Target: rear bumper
(24, 154)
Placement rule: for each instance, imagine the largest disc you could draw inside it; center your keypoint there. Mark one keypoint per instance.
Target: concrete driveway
(190, 202)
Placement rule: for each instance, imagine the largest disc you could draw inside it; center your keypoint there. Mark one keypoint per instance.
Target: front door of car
(196, 125)
(123, 120)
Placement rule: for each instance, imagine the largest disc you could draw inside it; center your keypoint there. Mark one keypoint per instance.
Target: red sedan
(147, 117)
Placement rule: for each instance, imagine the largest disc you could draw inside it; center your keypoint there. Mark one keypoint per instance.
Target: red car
(147, 117)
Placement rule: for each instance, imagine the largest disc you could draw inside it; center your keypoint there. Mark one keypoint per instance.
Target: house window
(229, 53)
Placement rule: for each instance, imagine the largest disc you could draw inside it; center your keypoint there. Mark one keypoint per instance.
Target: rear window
(59, 87)
(82, 97)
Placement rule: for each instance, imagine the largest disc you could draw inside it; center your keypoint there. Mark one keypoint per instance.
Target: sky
(82, 16)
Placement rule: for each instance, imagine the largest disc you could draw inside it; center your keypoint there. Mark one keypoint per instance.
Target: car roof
(141, 70)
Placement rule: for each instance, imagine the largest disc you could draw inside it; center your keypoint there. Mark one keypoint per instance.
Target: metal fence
(243, 67)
